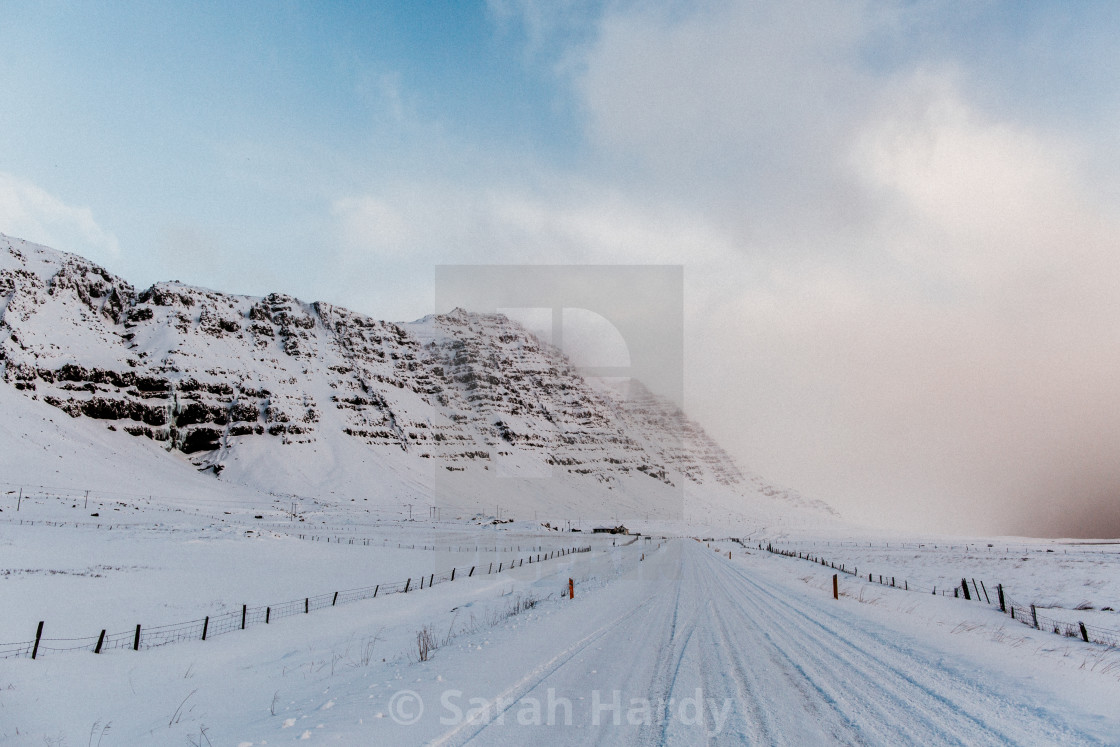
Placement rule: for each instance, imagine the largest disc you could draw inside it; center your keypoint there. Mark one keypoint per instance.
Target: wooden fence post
(985, 588)
(267, 614)
(306, 605)
(1084, 633)
(431, 580)
(244, 609)
(1034, 616)
(964, 586)
(452, 574)
(136, 640)
(100, 640)
(406, 585)
(471, 573)
(335, 600)
(375, 590)
(38, 630)
(999, 591)
(835, 587)
(205, 625)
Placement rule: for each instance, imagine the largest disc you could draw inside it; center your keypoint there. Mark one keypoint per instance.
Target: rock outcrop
(206, 373)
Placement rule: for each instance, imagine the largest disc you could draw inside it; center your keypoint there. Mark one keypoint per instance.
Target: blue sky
(897, 219)
(242, 122)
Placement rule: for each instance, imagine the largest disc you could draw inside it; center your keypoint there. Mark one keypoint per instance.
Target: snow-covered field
(667, 640)
(82, 579)
(1071, 580)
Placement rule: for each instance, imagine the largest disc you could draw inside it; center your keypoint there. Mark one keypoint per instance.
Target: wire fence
(281, 528)
(1026, 614)
(239, 619)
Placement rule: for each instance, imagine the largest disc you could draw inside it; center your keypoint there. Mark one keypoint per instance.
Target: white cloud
(995, 197)
(899, 298)
(739, 109)
(959, 381)
(371, 222)
(32, 213)
(912, 314)
(541, 21)
(570, 221)
(721, 75)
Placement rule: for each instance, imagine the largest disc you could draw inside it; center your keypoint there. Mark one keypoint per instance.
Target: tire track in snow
(946, 691)
(825, 686)
(536, 677)
(951, 707)
(751, 691)
(796, 670)
(888, 701)
(761, 660)
(721, 684)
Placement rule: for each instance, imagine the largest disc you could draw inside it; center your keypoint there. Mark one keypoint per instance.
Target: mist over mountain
(455, 409)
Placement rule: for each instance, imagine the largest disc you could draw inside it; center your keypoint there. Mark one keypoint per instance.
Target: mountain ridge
(449, 404)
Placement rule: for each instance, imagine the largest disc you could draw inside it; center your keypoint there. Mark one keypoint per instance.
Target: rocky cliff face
(209, 374)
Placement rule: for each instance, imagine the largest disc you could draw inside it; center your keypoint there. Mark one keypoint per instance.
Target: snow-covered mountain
(314, 399)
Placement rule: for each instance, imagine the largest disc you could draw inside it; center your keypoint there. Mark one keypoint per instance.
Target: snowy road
(694, 648)
(684, 647)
